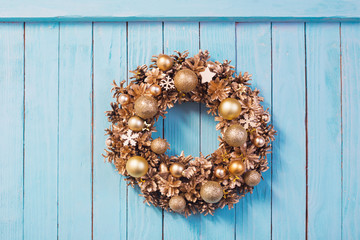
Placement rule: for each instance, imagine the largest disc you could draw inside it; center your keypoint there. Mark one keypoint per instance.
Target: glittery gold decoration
(220, 172)
(137, 166)
(177, 204)
(163, 168)
(237, 167)
(211, 192)
(229, 108)
(159, 146)
(146, 107)
(252, 178)
(123, 99)
(164, 62)
(185, 80)
(258, 141)
(155, 90)
(235, 135)
(176, 169)
(136, 124)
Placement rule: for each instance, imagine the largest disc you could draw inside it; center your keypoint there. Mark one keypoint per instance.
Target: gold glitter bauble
(155, 90)
(159, 146)
(258, 141)
(235, 135)
(237, 167)
(185, 80)
(146, 107)
(163, 168)
(252, 178)
(124, 99)
(211, 192)
(136, 124)
(176, 169)
(229, 108)
(137, 166)
(164, 62)
(220, 172)
(177, 204)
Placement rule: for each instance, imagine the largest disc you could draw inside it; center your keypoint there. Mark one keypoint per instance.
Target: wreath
(185, 184)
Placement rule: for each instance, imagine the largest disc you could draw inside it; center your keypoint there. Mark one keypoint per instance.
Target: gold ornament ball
(176, 169)
(164, 62)
(163, 168)
(135, 123)
(229, 108)
(185, 80)
(266, 117)
(235, 135)
(220, 172)
(258, 141)
(177, 204)
(252, 178)
(146, 107)
(109, 142)
(211, 192)
(124, 99)
(137, 166)
(155, 90)
(159, 146)
(237, 167)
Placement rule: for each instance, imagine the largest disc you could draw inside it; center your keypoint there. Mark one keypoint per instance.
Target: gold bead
(177, 204)
(109, 142)
(220, 172)
(159, 146)
(176, 169)
(237, 167)
(155, 90)
(163, 168)
(258, 141)
(266, 117)
(235, 135)
(124, 99)
(229, 108)
(135, 123)
(137, 166)
(211, 192)
(185, 80)
(252, 178)
(146, 107)
(164, 62)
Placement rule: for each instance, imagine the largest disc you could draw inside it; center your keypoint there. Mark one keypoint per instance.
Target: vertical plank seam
(127, 81)
(163, 136)
(235, 225)
(306, 139)
(58, 136)
(92, 130)
(341, 127)
(23, 183)
(200, 132)
(271, 111)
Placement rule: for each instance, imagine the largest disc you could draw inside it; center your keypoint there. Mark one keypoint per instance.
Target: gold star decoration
(207, 75)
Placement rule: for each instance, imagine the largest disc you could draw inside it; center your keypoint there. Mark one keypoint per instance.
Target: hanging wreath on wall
(185, 184)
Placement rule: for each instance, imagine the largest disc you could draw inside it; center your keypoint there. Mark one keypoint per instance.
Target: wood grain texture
(226, 10)
(41, 131)
(289, 151)
(144, 41)
(179, 122)
(75, 119)
(109, 196)
(324, 128)
(253, 47)
(11, 129)
(219, 40)
(350, 46)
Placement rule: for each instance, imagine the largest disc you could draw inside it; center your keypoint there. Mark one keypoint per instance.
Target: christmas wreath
(185, 184)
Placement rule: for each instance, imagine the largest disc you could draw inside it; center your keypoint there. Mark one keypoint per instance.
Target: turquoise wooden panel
(111, 10)
(324, 130)
(289, 157)
(350, 48)
(109, 193)
(41, 131)
(11, 129)
(75, 130)
(179, 122)
(219, 39)
(144, 41)
(253, 47)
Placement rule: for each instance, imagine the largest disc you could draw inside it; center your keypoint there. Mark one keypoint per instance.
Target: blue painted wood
(253, 47)
(219, 39)
(226, 10)
(350, 48)
(109, 193)
(289, 149)
(324, 127)
(11, 129)
(41, 131)
(75, 130)
(144, 41)
(179, 122)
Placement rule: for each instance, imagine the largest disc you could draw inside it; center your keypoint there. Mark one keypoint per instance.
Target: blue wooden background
(55, 86)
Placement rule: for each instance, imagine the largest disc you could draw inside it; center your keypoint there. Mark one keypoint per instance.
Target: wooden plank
(110, 63)
(350, 45)
(75, 119)
(182, 125)
(144, 41)
(324, 130)
(11, 128)
(253, 42)
(289, 148)
(41, 130)
(227, 10)
(219, 39)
